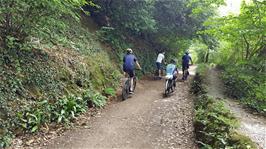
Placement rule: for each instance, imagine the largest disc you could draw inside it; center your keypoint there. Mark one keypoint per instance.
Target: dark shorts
(158, 65)
(130, 72)
(185, 66)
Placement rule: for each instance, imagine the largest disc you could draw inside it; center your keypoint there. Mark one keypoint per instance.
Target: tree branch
(247, 46)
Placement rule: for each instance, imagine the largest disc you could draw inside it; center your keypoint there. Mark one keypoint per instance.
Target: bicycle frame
(169, 84)
(127, 86)
(185, 74)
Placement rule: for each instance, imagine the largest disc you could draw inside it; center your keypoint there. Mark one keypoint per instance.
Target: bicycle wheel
(174, 84)
(167, 87)
(170, 86)
(125, 90)
(185, 74)
(134, 83)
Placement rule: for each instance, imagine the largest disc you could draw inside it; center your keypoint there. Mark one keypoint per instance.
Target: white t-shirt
(160, 58)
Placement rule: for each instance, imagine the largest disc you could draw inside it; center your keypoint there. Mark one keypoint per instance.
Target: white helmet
(129, 50)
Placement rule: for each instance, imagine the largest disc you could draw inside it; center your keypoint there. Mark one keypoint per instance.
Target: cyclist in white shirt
(159, 61)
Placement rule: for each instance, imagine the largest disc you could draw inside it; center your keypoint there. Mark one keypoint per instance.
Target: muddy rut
(146, 120)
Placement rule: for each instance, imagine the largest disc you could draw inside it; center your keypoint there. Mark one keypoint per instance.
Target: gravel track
(146, 120)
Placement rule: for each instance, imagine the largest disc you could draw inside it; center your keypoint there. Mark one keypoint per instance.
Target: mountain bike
(127, 86)
(186, 73)
(170, 85)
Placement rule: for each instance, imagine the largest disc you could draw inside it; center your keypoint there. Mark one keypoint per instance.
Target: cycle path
(146, 120)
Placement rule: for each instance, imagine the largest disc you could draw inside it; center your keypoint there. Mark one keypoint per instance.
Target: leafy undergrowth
(214, 124)
(247, 83)
(52, 83)
(52, 78)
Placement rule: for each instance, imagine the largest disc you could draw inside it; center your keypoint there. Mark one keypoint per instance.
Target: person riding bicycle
(129, 62)
(171, 70)
(185, 64)
(159, 61)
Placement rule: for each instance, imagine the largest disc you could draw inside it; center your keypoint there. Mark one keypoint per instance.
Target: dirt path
(147, 120)
(251, 125)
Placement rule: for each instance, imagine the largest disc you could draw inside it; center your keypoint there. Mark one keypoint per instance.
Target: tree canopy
(161, 22)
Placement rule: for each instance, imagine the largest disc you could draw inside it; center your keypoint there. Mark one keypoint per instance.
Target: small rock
(29, 142)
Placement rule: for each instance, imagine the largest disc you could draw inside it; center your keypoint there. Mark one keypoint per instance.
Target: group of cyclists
(130, 60)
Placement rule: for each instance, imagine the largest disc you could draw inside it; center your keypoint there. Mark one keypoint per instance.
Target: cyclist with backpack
(129, 62)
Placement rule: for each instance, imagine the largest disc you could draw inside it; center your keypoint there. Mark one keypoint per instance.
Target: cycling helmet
(129, 50)
(187, 52)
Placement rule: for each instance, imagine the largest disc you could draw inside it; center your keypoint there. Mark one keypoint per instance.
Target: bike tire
(167, 90)
(174, 84)
(185, 74)
(134, 83)
(170, 85)
(125, 90)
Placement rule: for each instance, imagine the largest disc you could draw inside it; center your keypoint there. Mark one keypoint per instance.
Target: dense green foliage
(20, 19)
(214, 124)
(150, 26)
(165, 24)
(241, 52)
(144, 53)
(51, 67)
(247, 84)
(63, 110)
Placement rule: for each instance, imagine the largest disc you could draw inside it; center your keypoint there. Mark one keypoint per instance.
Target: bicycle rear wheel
(125, 90)
(134, 83)
(167, 87)
(185, 74)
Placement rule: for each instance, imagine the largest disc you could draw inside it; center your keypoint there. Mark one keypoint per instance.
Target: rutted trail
(251, 125)
(147, 120)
